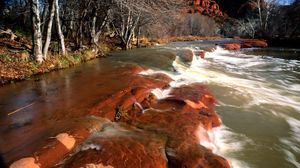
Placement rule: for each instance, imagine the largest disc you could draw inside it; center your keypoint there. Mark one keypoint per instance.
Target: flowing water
(257, 92)
(258, 99)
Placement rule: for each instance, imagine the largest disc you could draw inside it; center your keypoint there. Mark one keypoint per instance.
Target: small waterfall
(137, 104)
(161, 93)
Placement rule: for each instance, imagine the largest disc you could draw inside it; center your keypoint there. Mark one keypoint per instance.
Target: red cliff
(205, 7)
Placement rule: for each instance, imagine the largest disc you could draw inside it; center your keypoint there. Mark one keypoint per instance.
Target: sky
(285, 2)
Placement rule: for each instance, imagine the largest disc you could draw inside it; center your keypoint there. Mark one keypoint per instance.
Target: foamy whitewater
(258, 101)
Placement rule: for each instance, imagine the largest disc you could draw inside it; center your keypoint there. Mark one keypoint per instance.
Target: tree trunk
(44, 17)
(60, 33)
(138, 37)
(95, 35)
(37, 34)
(49, 29)
(260, 13)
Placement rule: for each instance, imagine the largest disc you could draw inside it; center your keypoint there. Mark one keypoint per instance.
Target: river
(257, 95)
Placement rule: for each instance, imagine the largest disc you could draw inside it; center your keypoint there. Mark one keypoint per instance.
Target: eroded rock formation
(205, 7)
(134, 128)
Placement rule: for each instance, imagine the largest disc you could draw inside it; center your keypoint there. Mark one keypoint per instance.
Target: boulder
(186, 55)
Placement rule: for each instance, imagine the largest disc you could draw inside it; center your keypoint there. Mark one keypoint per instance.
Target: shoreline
(16, 68)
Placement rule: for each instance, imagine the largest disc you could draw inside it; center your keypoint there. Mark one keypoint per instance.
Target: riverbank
(17, 65)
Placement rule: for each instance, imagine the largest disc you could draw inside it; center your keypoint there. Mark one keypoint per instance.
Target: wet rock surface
(118, 146)
(126, 126)
(239, 43)
(186, 55)
(250, 43)
(232, 46)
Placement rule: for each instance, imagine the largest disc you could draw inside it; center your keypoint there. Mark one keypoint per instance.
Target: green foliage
(34, 67)
(28, 78)
(77, 58)
(8, 58)
(88, 54)
(5, 57)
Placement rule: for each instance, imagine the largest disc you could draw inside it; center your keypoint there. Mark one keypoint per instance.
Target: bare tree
(131, 14)
(49, 29)
(100, 13)
(265, 10)
(248, 27)
(128, 15)
(37, 34)
(59, 30)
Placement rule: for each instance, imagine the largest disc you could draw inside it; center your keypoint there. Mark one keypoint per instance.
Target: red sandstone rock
(180, 122)
(25, 163)
(123, 147)
(162, 77)
(119, 103)
(200, 54)
(60, 146)
(178, 118)
(232, 46)
(168, 128)
(205, 7)
(245, 43)
(248, 43)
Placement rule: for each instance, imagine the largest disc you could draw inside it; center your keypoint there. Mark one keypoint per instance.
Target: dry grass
(144, 42)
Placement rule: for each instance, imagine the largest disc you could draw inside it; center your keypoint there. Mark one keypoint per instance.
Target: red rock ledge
(245, 43)
(134, 129)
